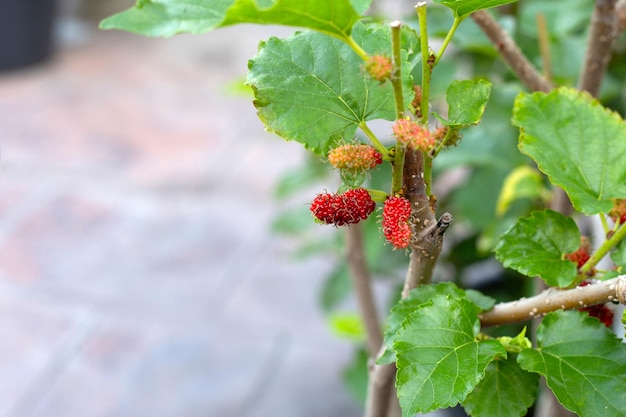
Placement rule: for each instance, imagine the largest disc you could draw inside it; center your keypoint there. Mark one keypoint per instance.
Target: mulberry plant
(323, 87)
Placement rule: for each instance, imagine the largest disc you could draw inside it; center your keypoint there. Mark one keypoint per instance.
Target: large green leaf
(465, 7)
(536, 246)
(579, 144)
(403, 308)
(361, 6)
(170, 17)
(313, 89)
(466, 100)
(439, 359)
(506, 390)
(583, 362)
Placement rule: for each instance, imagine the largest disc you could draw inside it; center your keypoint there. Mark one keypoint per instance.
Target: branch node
(620, 291)
(443, 223)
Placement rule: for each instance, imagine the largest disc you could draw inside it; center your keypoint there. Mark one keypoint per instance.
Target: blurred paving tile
(143, 256)
(149, 370)
(136, 189)
(296, 393)
(284, 293)
(33, 336)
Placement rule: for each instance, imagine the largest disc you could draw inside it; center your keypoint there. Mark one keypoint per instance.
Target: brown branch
(554, 299)
(620, 10)
(544, 46)
(379, 390)
(508, 49)
(361, 281)
(599, 47)
(425, 249)
(424, 254)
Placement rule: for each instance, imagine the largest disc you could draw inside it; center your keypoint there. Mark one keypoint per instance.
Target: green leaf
(170, 17)
(293, 181)
(583, 362)
(312, 88)
(505, 390)
(347, 326)
(579, 144)
(536, 246)
(522, 182)
(516, 344)
(361, 6)
(292, 221)
(356, 375)
(439, 359)
(403, 308)
(465, 7)
(482, 301)
(466, 100)
(336, 288)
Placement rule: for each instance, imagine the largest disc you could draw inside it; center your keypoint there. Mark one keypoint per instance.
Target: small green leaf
(439, 359)
(583, 362)
(465, 7)
(506, 390)
(466, 100)
(522, 182)
(516, 344)
(313, 89)
(577, 143)
(482, 301)
(347, 326)
(170, 17)
(536, 246)
(403, 308)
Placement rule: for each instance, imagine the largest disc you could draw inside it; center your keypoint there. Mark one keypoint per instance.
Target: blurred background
(139, 276)
(157, 255)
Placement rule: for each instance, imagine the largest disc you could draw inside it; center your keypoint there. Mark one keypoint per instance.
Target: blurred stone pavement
(138, 274)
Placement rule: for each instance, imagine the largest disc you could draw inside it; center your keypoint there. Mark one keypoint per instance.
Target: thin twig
(506, 46)
(620, 10)
(427, 62)
(396, 78)
(361, 281)
(599, 47)
(554, 299)
(544, 46)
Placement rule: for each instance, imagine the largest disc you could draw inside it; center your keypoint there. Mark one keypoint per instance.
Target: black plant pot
(25, 32)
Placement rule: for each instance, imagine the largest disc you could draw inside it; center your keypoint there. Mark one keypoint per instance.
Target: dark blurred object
(25, 32)
(96, 10)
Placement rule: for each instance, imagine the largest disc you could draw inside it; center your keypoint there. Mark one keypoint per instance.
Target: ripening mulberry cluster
(413, 134)
(396, 228)
(618, 212)
(355, 157)
(582, 255)
(379, 67)
(340, 209)
(601, 311)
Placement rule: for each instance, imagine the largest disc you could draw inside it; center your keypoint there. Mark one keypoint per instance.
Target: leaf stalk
(448, 38)
(606, 246)
(426, 60)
